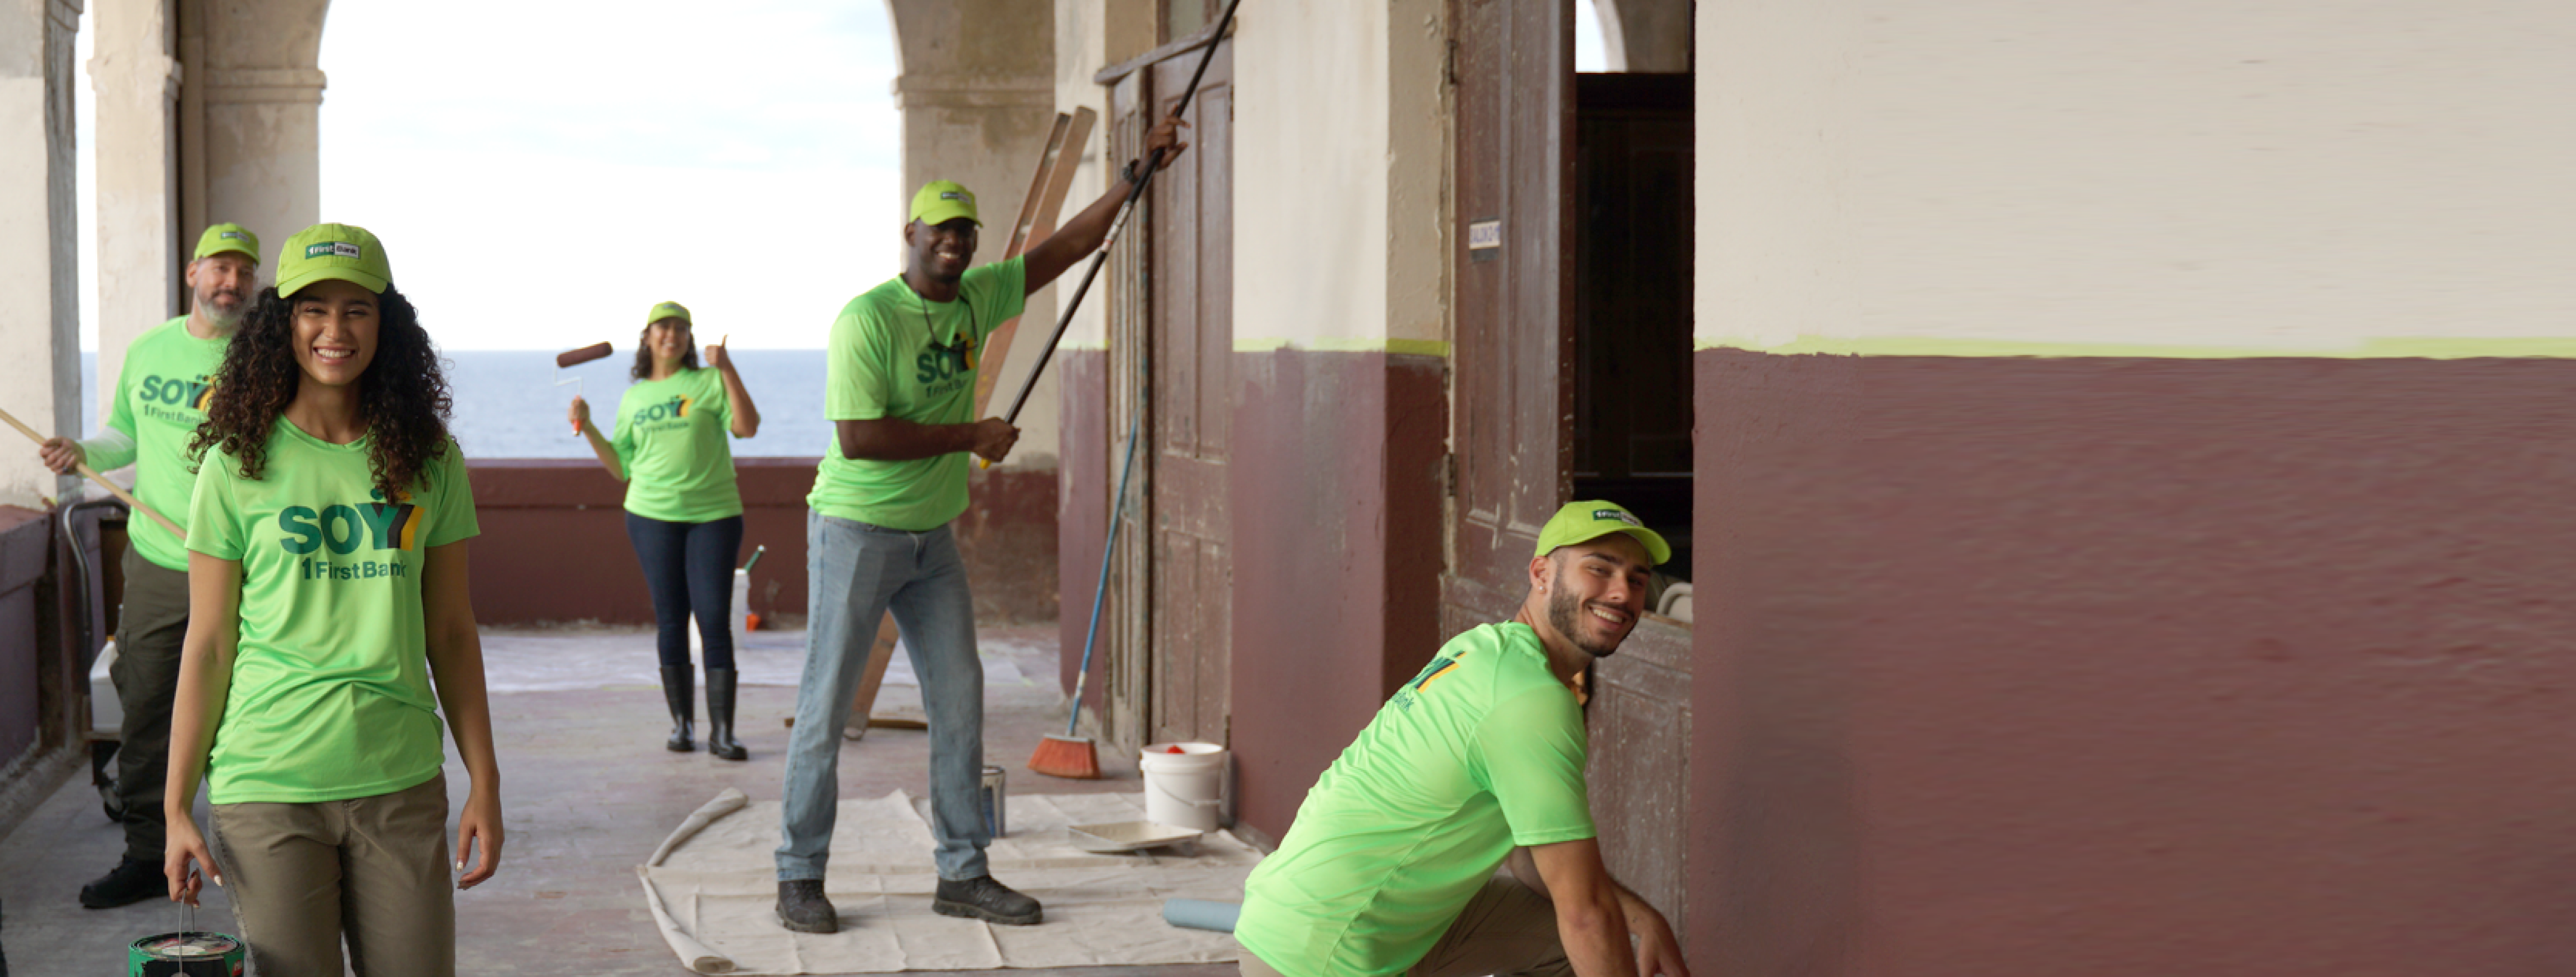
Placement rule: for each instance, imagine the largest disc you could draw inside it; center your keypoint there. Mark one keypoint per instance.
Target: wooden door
(1128, 672)
(1191, 313)
(1512, 394)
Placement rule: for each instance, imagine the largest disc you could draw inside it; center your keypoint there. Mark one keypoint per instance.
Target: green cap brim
(230, 247)
(1655, 545)
(287, 288)
(945, 211)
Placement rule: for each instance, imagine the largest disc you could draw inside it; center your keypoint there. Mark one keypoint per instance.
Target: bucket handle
(1212, 802)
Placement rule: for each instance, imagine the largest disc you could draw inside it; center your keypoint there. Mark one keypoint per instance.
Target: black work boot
(684, 707)
(984, 899)
(128, 883)
(801, 907)
(720, 742)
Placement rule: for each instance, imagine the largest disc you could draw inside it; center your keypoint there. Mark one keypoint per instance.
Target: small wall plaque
(1484, 239)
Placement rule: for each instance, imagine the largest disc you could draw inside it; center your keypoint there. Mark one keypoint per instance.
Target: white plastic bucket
(1184, 789)
(741, 606)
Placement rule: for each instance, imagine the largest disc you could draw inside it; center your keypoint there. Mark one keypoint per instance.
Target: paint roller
(576, 357)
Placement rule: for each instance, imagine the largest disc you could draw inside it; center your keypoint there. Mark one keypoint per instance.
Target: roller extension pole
(92, 474)
(1135, 192)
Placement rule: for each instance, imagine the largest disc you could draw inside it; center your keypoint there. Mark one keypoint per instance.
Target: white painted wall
(2306, 176)
(1312, 174)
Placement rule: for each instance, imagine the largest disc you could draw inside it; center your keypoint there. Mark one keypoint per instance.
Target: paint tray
(1120, 836)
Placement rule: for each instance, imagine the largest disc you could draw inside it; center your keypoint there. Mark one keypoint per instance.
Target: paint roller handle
(756, 553)
(576, 357)
(1136, 185)
(93, 475)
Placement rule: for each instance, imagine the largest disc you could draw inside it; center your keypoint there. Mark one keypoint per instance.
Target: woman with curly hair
(327, 596)
(683, 511)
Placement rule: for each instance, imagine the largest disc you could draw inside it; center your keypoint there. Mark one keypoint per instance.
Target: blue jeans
(855, 573)
(689, 568)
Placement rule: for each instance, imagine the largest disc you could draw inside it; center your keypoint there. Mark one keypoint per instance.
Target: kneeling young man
(1390, 866)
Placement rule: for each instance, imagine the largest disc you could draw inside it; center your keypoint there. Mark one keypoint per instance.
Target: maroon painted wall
(554, 543)
(1336, 482)
(2133, 667)
(26, 542)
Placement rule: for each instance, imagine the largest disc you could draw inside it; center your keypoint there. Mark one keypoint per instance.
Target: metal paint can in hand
(995, 800)
(187, 954)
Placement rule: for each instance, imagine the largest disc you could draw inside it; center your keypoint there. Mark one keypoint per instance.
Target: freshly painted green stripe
(2418, 348)
(1345, 344)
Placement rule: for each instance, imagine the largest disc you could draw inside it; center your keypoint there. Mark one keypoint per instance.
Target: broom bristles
(1069, 757)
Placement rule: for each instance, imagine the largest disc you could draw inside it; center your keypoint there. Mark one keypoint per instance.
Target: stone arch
(976, 86)
(1645, 35)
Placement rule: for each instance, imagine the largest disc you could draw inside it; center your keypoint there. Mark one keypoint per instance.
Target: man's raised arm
(1082, 235)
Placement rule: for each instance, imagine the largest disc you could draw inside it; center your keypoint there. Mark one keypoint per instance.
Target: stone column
(135, 72)
(250, 117)
(978, 98)
(39, 304)
(264, 152)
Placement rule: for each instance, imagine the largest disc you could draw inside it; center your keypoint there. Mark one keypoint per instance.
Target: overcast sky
(542, 173)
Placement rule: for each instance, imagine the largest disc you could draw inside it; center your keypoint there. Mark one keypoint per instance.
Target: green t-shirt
(896, 354)
(160, 399)
(671, 438)
(1481, 752)
(331, 695)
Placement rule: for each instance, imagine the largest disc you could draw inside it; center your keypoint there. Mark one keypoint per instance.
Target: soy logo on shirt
(175, 399)
(672, 413)
(942, 369)
(320, 533)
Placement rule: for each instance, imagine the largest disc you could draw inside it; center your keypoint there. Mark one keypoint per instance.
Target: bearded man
(160, 399)
(1390, 867)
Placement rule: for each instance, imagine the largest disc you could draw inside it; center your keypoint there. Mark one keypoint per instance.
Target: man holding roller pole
(899, 387)
(160, 399)
(1475, 763)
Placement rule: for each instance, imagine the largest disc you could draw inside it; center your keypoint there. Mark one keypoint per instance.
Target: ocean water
(508, 406)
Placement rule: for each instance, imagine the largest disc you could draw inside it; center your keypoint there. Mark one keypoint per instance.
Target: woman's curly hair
(643, 368)
(402, 397)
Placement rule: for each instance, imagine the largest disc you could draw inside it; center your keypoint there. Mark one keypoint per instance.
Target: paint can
(184, 954)
(995, 800)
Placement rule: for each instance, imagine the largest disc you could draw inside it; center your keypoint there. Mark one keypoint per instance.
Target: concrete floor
(587, 793)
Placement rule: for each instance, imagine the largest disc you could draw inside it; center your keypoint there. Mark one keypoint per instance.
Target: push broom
(1070, 756)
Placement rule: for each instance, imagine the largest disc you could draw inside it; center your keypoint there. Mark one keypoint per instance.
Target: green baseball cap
(342, 251)
(941, 201)
(228, 237)
(1583, 522)
(668, 310)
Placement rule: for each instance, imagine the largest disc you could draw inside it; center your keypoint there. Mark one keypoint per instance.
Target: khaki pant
(1507, 930)
(373, 869)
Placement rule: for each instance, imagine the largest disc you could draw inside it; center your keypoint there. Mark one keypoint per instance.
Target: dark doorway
(1632, 299)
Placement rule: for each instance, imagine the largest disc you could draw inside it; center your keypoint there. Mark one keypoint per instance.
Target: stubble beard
(1565, 613)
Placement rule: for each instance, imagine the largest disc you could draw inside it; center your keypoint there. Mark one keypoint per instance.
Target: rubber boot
(684, 707)
(720, 742)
